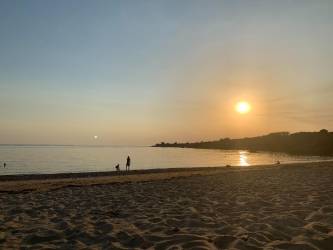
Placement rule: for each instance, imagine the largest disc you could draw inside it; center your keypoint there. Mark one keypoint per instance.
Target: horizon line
(110, 145)
(68, 145)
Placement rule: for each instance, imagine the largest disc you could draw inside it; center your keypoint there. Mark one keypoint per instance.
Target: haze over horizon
(141, 72)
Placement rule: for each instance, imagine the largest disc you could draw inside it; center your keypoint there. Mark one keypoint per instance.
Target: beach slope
(266, 207)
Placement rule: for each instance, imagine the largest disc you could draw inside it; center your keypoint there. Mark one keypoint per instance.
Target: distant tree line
(301, 143)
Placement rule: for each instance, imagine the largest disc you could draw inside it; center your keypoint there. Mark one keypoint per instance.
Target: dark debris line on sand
(97, 174)
(282, 208)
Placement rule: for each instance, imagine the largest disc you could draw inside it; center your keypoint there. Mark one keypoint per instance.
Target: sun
(243, 107)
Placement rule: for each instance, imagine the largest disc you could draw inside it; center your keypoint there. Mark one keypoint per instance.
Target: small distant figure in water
(117, 167)
(4, 164)
(278, 163)
(128, 163)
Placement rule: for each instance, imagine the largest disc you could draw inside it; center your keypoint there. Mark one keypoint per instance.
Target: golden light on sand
(243, 107)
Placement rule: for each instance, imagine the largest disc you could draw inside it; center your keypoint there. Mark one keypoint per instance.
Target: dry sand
(272, 207)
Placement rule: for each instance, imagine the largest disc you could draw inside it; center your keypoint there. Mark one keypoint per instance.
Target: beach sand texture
(276, 207)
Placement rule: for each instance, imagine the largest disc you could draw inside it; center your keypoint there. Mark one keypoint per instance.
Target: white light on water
(45, 159)
(243, 158)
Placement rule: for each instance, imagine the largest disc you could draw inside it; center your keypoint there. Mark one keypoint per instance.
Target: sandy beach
(264, 207)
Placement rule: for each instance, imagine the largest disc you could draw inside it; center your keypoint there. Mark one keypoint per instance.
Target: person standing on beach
(4, 164)
(128, 163)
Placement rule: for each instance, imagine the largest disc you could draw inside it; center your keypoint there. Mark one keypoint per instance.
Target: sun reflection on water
(243, 158)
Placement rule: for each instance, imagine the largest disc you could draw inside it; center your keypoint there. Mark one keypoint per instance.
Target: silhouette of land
(301, 143)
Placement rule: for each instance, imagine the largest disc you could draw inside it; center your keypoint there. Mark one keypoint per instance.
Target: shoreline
(92, 174)
(46, 182)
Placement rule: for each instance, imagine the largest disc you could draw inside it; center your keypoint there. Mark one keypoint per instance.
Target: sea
(48, 159)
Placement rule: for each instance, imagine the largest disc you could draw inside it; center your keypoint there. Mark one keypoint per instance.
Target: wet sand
(265, 207)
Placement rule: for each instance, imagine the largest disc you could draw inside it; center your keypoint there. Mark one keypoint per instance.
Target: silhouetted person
(4, 164)
(128, 163)
(117, 167)
(278, 163)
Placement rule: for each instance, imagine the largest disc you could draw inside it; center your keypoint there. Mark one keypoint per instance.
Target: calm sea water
(64, 159)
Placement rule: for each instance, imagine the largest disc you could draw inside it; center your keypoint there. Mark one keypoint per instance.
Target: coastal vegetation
(301, 143)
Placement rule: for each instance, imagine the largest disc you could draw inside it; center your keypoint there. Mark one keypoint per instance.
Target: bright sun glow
(243, 107)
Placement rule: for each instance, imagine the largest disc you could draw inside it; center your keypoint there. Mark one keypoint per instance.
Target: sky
(141, 72)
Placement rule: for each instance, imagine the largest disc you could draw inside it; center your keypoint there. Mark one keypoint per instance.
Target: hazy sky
(140, 72)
